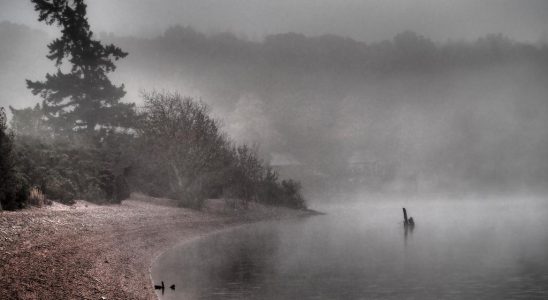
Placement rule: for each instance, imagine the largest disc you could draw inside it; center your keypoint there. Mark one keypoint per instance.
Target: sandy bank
(89, 252)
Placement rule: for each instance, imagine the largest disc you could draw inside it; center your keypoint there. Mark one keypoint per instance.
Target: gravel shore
(86, 251)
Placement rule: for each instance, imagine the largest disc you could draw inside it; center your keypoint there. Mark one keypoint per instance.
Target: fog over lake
(459, 249)
(440, 107)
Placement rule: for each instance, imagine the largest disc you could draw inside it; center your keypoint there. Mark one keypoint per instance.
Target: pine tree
(84, 97)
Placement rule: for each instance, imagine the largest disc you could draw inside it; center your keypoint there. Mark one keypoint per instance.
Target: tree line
(83, 142)
(405, 52)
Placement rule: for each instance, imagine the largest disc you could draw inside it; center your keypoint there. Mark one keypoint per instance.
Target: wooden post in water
(405, 216)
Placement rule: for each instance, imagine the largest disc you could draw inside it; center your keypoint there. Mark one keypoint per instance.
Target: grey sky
(369, 20)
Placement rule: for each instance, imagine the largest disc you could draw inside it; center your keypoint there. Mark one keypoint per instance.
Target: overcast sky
(368, 20)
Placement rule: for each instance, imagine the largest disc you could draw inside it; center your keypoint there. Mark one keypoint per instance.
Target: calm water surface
(459, 249)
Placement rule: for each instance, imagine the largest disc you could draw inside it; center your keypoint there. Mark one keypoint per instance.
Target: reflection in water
(248, 265)
(407, 229)
(408, 225)
(480, 250)
(226, 266)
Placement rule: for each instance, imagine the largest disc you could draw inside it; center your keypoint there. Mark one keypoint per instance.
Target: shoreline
(193, 240)
(88, 251)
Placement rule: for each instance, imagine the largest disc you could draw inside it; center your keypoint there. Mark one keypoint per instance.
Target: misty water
(473, 248)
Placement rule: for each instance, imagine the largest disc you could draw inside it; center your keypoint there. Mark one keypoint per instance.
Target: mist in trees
(183, 154)
(82, 142)
(405, 114)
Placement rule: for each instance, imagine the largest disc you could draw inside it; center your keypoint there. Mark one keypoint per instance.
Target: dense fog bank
(403, 114)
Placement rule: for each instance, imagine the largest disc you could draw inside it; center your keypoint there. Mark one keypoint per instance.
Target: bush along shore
(175, 150)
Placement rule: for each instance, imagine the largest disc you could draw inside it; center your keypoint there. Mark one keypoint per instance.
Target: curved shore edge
(87, 251)
(275, 215)
(195, 239)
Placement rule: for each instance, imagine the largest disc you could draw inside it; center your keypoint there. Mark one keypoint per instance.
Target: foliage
(58, 149)
(72, 145)
(291, 194)
(177, 150)
(30, 121)
(185, 155)
(182, 145)
(284, 193)
(244, 174)
(14, 189)
(329, 54)
(64, 171)
(84, 97)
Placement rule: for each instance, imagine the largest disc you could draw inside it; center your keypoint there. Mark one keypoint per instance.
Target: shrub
(94, 193)
(65, 172)
(13, 186)
(181, 149)
(121, 187)
(178, 152)
(292, 197)
(61, 189)
(184, 155)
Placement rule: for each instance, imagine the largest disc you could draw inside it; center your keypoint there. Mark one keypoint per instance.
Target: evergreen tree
(84, 97)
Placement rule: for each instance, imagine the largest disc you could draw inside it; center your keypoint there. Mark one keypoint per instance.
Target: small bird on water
(162, 287)
(159, 287)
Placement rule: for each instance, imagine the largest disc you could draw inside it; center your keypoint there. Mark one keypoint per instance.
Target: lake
(460, 248)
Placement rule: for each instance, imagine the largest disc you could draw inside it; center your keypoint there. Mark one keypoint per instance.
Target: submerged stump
(407, 222)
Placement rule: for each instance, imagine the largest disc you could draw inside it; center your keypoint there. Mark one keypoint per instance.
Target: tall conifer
(79, 97)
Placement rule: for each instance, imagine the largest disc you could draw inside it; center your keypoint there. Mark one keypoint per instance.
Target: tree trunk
(177, 176)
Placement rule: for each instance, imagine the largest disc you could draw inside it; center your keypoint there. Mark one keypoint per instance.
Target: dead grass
(37, 197)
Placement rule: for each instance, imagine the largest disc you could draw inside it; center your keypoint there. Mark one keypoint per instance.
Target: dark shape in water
(172, 287)
(160, 287)
(407, 222)
(411, 221)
